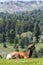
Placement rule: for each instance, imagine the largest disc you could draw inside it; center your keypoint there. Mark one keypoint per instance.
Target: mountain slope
(14, 6)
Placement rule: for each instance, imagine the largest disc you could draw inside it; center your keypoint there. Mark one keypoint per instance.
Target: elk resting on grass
(24, 55)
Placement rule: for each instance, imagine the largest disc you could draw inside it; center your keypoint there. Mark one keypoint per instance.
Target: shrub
(22, 42)
(16, 47)
(0, 38)
(4, 45)
(40, 53)
(1, 57)
(34, 54)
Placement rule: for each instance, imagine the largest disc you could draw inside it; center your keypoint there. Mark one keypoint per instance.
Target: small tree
(37, 31)
(0, 38)
(4, 40)
(16, 43)
(11, 36)
(16, 47)
(4, 37)
(22, 43)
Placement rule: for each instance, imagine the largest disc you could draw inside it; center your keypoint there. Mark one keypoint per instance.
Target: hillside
(16, 6)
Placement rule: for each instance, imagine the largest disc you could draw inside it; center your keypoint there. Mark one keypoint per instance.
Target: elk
(27, 54)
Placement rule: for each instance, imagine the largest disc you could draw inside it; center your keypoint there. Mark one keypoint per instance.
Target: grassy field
(31, 61)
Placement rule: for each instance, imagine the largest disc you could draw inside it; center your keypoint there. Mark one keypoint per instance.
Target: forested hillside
(20, 24)
(15, 24)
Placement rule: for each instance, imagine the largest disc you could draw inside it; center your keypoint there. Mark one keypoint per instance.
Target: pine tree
(37, 31)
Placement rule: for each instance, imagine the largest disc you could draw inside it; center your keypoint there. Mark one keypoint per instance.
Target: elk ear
(29, 46)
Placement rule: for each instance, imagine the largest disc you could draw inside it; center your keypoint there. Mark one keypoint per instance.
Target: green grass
(30, 61)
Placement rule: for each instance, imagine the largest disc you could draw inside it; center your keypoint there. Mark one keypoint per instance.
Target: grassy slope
(31, 61)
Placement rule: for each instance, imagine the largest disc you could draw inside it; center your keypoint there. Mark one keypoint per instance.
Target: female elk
(26, 54)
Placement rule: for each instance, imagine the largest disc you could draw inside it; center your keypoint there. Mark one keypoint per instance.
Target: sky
(19, 0)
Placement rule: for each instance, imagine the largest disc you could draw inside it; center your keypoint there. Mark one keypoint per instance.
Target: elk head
(31, 47)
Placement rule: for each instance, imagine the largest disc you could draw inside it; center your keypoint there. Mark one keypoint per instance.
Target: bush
(22, 42)
(0, 38)
(4, 45)
(34, 39)
(40, 53)
(16, 43)
(1, 57)
(16, 47)
(34, 54)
